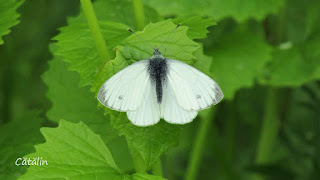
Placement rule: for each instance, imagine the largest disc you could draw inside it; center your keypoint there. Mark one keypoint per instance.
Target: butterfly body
(157, 68)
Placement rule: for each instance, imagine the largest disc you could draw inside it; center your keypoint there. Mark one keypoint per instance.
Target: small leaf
(9, 16)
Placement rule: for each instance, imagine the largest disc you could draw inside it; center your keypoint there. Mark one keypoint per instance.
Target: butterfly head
(157, 53)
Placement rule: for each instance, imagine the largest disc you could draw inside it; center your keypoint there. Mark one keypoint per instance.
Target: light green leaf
(77, 47)
(73, 151)
(9, 16)
(17, 139)
(177, 46)
(238, 58)
(218, 9)
(197, 25)
(73, 103)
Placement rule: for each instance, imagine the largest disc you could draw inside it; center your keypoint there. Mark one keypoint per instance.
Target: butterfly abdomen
(157, 68)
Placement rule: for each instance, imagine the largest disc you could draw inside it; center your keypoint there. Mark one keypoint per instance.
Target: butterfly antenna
(170, 34)
(130, 30)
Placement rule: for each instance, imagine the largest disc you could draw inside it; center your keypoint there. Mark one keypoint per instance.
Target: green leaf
(177, 46)
(73, 103)
(9, 16)
(197, 25)
(17, 139)
(77, 47)
(238, 58)
(73, 151)
(218, 9)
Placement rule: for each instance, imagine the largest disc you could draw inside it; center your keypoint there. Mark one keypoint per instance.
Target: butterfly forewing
(193, 89)
(125, 90)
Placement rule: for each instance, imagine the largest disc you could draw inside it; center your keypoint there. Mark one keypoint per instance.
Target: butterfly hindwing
(125, 90)
(171, 111)
(193, 89)
(149, 111)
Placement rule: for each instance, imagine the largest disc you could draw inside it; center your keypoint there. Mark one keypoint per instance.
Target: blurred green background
(265, 54)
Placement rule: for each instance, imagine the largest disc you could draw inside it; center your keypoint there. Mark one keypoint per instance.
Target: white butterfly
(149, 90)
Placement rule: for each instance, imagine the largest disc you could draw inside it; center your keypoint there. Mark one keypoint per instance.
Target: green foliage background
(265, 55)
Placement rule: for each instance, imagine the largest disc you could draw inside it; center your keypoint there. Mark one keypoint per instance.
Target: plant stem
(226, 162)
(95, 30)
(196, 154)
(139, 14)
(269, 130)
(139, 164)
(157, 168)
(230, 130)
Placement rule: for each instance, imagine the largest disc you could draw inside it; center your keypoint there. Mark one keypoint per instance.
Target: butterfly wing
(149, 111)
(193, 89)
(125, 90)
(171, 111)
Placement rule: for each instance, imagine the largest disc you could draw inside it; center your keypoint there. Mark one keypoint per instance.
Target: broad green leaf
(17, 139)
(238, 58)
(177, 46)
(77, 47)
(73, 103)
(73, 151)
(9, 16)
(218, 9)
(197, 25)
